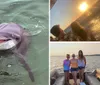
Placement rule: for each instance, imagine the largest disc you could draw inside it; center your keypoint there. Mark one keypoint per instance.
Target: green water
(32, 15)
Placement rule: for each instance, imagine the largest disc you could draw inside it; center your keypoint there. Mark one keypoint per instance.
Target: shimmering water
(92, 17)
(90, 20)
(33, 16)
(92, 62)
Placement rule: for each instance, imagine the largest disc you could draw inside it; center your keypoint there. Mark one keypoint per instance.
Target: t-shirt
(74, 63)
(81, 63)
(66, 64)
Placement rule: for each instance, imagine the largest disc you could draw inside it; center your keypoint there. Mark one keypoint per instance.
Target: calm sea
(33, 16)
(92, 62)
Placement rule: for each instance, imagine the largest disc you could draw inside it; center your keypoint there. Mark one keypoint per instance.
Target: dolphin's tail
(25, 65)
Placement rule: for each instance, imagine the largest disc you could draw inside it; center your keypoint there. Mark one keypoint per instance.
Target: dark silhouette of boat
(57, 78)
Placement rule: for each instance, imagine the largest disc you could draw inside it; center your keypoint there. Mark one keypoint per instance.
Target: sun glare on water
(83, 7)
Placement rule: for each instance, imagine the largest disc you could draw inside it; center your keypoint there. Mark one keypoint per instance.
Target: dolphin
(13, 31)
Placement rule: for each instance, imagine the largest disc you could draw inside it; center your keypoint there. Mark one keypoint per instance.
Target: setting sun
(83, 7)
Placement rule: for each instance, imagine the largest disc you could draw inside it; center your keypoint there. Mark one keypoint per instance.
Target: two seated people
(77, 33)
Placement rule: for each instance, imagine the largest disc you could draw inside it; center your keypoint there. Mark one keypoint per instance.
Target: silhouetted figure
(77, 33)
(58, 33)
(78, 30)
(83, 33)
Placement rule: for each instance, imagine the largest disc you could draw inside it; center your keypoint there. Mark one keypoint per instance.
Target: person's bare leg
(75, 77)
(67, 77)
(82, 75)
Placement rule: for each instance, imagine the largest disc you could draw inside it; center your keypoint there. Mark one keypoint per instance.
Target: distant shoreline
(93, 55)
(77, 55)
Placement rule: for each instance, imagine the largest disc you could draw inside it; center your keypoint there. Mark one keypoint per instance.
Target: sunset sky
(61, 49)
(66, 11)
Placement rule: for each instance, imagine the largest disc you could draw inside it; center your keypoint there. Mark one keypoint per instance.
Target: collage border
(64, 42)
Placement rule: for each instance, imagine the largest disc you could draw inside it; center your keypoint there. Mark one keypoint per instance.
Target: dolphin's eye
(17, 38)
(7, 39)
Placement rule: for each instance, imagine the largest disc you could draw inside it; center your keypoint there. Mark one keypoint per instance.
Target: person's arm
(85, 60)
(77, 61)
(63, 63)
(70, 63)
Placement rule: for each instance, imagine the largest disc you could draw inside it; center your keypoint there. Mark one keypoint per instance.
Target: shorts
(66, 70)
(81, 67)
(74, 69)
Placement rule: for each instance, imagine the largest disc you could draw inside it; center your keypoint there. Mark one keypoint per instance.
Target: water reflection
(91, 20)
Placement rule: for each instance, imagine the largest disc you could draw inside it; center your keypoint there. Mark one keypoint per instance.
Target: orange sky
(66, 11)
(61, 49)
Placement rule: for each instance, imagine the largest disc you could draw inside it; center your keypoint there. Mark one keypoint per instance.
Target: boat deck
(90, 78)
(71, 81)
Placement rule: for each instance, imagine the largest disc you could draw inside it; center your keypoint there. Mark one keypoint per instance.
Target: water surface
(33, 16)
(92, 62)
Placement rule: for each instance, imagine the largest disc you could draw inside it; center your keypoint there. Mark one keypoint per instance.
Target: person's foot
(75, 83)
(81, 80)
(69, 84)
